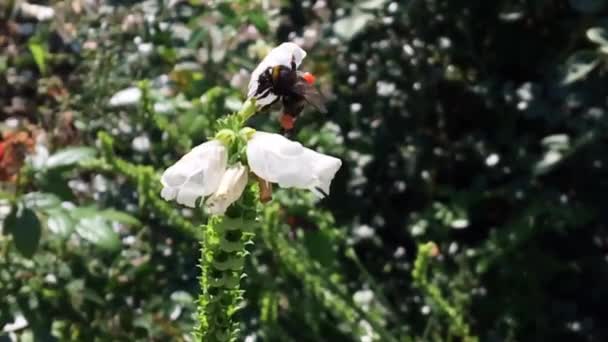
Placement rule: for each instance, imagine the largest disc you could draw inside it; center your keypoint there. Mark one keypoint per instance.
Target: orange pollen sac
(287, 121)
(1, 149)
(309, 78)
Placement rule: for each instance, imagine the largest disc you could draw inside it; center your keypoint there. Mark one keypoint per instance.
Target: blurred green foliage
(477, 125)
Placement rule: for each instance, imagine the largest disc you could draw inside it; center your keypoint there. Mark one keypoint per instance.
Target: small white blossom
(277, 159)
(141, 143)
(145, 49)
(126, 97)
(39, 12)
(363, 298)
(196, 174)
(459, 223)
(364, 232)
(230, 189)
(19, 323)
(283, 54)
(492, 159)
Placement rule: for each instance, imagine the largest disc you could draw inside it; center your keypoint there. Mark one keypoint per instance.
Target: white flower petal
(197, 174)
(280, 55)
(168, 194)
(41, 13)
(231, 188)
(266, 100)
(280, 160)
(126, 97)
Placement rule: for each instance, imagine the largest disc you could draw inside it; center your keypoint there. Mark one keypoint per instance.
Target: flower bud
(226, 137)
(247, 133)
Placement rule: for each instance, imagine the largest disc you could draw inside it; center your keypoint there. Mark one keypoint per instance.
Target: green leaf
(70, 156)
(84, 212)
(182, 297)
(24, 225)
(259, 20)
(118, 216)
(39, 52)
(588, 6)
(579, 65)
(60, 222)
(41, 200)
(98, 231)
(348, 27)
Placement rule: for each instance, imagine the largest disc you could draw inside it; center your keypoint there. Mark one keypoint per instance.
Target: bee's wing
(311, 94)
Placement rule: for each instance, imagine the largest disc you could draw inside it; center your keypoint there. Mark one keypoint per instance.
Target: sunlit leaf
(372, 4)
(118, 216)
(60, 222)
(41, 200)
(556, 142)
(547, 162)
(39, 53)
(70, 156)
(579, 65)
(181, 297)
(98, 231)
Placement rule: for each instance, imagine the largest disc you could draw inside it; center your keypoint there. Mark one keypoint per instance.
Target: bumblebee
(294, 89)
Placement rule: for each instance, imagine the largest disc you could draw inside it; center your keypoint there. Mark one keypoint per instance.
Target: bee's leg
(293, 63)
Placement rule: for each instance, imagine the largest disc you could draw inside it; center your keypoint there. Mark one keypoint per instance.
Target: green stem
(420, 277)
(222, 262)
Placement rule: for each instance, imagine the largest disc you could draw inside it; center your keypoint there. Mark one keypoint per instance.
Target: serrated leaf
(98, 231)
(579, 65)
(24, 225)
(41, 200)
(348, 27)
(59, 222)
(70, 156)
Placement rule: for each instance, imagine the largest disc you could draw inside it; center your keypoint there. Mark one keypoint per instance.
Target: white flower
(41, 13)
(230, 189)
(363, 298)
(283, 54)
(276, 159)
(126, 97)
(141, 143)
(197, 174)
